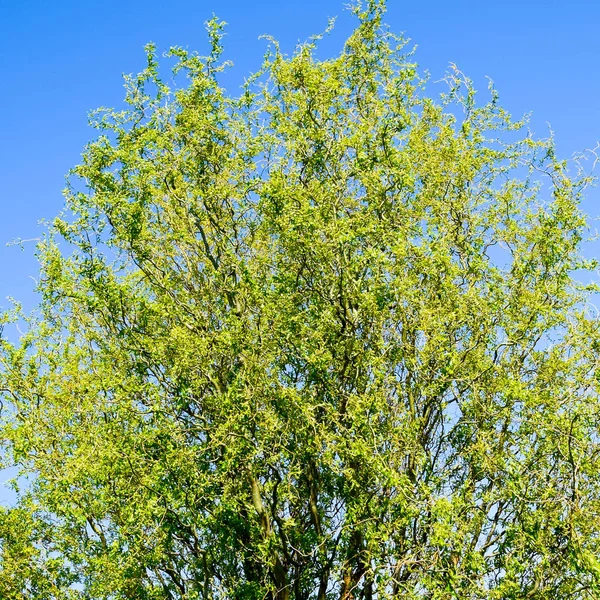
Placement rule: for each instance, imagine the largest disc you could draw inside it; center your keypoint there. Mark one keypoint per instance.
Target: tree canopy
(324, 338)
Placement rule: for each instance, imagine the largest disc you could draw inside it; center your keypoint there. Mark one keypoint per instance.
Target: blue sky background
(58, 60)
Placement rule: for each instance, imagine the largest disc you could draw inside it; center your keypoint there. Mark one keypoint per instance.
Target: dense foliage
(324, 339)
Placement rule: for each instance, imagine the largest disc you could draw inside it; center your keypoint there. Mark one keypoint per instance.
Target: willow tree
(321, 339)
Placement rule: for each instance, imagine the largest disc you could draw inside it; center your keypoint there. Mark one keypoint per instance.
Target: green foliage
(319, 340)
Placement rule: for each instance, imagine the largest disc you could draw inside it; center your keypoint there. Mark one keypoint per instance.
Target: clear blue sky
(60, 59)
